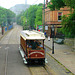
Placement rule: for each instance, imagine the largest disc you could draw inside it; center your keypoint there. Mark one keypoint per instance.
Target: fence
(6, 28)
(10, 27)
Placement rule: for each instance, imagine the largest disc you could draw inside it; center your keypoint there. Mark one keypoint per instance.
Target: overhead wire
(34, 2)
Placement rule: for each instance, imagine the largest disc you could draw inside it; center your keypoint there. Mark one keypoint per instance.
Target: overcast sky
(9, 3)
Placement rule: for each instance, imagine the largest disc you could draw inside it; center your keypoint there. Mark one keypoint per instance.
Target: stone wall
(70, 42)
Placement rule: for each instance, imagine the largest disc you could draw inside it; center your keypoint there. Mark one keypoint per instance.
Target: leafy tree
(70, 3)
(69, 25)
(18, 19)
(10, 16)
(6, 15)
(32, 16)
(38, 19)
(56, 4)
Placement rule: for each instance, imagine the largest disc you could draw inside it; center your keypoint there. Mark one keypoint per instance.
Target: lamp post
(52, 39)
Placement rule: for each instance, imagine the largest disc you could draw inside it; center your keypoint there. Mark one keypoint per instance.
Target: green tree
(70, 3)
(10, 16)
(38, 19)
(69, 25)
(31, 15)
(56, 4)
(6, 15)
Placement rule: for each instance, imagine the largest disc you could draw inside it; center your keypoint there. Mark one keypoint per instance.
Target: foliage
(69, 25)
(56, 4)
(18, 19)
(6, 15)
(70, 3)
(10, 16)
(30, 17)
(38, 19)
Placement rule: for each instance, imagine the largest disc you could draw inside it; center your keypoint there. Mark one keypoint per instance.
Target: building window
(59, 16)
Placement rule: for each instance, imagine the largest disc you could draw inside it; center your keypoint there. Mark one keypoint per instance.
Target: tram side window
(40, 45)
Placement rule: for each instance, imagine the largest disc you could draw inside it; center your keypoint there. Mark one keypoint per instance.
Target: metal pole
(44, 17)
(2, 30)
(52, 45)
(53, 41)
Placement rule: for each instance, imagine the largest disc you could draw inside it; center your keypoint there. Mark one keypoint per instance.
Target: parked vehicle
(32, 46)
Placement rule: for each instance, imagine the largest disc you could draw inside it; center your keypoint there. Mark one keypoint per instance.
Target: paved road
(11, 62)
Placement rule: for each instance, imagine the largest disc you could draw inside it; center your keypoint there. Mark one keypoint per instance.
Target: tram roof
(32, 35)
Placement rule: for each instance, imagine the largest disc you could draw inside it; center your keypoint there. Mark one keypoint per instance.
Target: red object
(38, 30)
(60, 14)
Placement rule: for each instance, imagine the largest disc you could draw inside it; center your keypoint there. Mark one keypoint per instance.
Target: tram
(32, 46)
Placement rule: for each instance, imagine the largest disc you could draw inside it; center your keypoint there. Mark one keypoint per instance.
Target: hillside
(17, 9)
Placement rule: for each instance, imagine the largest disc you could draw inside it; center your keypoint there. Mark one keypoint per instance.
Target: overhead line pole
(44, 17)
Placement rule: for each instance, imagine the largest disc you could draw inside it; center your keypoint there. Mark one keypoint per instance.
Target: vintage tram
(32, 46)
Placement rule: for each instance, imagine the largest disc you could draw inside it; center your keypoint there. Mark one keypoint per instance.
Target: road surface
(11, 62)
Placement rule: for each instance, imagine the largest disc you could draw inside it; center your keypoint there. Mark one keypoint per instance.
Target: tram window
(35, 44)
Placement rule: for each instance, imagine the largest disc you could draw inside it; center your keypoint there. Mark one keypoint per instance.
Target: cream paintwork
(32, 35)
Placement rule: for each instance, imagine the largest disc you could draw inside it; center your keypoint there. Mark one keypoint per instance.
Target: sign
(40, 27)
(46, 27)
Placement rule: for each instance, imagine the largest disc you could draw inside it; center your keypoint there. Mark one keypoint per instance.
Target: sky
(10, 3)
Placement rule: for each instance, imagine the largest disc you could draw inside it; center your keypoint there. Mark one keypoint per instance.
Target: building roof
(32, 35)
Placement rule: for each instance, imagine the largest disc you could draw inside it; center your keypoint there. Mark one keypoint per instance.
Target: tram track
(35, 70)
(41, 70)
(11, 41)
(38, 70)
(6, 44)
(6, 55)
(6, 51)
(6, 60)
(45, 69)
